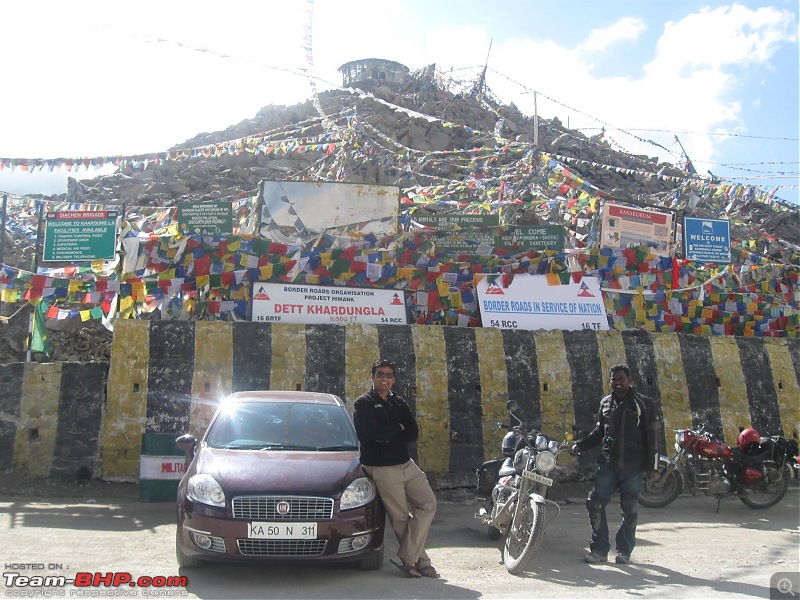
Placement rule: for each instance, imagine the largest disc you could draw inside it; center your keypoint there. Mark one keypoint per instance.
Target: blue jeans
(607, 481)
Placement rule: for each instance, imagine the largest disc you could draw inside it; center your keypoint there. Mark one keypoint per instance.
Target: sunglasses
(384, 374)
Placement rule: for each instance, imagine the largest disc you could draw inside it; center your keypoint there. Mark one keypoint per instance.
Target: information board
(294, 303)
(205, 218)
(530, 302)
(79, 235)
(707, 240)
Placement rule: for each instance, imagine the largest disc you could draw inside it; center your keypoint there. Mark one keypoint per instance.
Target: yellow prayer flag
(553, 279)
(75, 285)
(266, 272)
(86, 315)
(234, 246)
(139, 290)
(455, 300)
(202, 281)
(125, 307)
(9, 295)
(97, 265)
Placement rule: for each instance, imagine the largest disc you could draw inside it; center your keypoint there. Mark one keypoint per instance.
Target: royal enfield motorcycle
(512, 491)
(752, 469)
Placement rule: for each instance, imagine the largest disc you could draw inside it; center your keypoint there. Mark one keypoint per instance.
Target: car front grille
(281, 547)
(265, 508)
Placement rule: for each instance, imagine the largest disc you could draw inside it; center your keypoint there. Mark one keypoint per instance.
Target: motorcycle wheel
(659, 492)
(524, 536)
(767, 491)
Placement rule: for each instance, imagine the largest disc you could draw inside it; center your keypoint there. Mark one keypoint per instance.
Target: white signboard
(625, 227)
(529, 302)
(295, 210)
(297, 303)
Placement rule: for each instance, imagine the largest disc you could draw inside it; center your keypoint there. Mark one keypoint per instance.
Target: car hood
(274, 472)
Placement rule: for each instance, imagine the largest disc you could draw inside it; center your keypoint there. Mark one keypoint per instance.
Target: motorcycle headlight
(545, 461)
(553, 446)
(361, 491)
(679, 436)
(541, 442)
(521, 459)
(204, 488)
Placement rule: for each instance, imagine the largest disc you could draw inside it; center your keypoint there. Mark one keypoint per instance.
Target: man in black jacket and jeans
(628, 429)
(385, 427)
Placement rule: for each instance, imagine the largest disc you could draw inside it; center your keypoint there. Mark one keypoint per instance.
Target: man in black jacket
(385, 427)
(628, 429)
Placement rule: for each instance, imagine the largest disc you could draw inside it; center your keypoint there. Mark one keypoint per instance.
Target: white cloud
(625, 29)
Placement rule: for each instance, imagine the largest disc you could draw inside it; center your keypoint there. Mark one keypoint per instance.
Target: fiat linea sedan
(277, 477)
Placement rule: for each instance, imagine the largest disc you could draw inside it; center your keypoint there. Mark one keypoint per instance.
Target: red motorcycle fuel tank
(711, 448)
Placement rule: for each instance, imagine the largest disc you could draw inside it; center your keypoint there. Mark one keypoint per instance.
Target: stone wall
(74, 420)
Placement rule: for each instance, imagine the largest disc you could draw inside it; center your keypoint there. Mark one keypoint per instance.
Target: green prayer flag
(39, 341)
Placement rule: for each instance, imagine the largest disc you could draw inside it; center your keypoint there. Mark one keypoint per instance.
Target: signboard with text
(530, 302)
(453, 221)
(80, 235)
(707, 240)
(626, 227)
(297, 303)
(514, 239)
(205, 218)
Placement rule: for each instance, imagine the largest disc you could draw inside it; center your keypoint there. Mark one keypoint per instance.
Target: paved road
(686, 550)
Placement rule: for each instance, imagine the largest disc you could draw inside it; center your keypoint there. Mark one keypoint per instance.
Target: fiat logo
(283, 508)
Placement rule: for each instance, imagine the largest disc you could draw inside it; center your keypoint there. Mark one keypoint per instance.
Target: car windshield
(282, 426)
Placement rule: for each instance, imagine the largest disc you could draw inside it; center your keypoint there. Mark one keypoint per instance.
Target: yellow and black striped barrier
(168, 376)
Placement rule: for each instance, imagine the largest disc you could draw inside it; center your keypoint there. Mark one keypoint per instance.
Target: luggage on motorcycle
(780, 448)
(488, 474)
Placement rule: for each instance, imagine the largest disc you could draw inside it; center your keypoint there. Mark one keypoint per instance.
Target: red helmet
(747, 438)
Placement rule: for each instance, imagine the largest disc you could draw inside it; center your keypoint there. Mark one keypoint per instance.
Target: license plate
(536, 477)
(281, 531)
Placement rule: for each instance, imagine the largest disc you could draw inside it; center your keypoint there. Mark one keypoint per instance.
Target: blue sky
(92, 78)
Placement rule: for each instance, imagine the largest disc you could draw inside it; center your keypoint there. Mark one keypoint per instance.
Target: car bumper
(339, 539)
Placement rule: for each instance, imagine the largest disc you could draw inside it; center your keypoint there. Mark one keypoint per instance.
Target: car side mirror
(187, 443)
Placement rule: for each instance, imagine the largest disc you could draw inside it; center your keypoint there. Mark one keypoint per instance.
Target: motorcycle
(703, 463)
(783, 452)
(513, 491)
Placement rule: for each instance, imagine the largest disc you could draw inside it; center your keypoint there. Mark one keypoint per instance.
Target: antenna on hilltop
(689, 166)
(479, 90)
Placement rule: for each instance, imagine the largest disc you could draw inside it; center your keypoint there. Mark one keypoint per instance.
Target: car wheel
(372, 561)
(185, 562)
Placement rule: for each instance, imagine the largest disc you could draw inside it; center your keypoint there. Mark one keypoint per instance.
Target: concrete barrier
(168, 376)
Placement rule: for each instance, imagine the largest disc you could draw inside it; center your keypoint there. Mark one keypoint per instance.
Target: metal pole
(535, 122)
(3, 231)
(38, 236)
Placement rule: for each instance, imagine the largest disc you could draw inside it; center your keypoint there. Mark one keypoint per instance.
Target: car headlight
(361, 491)
(204, 488)
(545, 461)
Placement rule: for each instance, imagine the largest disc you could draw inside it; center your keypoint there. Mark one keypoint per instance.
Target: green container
(161, 466)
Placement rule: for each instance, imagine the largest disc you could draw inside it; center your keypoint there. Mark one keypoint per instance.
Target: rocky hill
(422, 138)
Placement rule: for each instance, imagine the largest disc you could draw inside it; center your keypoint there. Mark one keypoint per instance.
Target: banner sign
(295, 210)
(205, 218)
(292, 303)
(707, 240)
(450, 221)
(626, 227)
(529, 302)
(80, 235)
(514, 239)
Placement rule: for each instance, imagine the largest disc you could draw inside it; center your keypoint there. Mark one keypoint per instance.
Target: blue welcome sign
(707, 240)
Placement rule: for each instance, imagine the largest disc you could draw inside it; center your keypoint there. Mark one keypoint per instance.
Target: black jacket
(628, 429)
(377, 421)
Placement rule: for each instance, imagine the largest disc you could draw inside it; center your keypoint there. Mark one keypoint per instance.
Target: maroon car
(277, 477)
